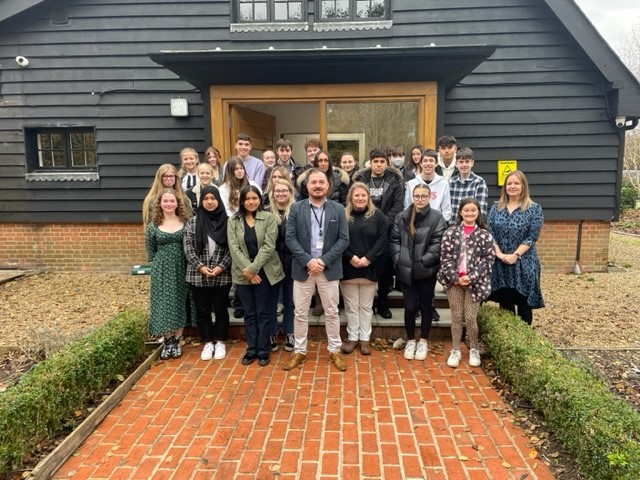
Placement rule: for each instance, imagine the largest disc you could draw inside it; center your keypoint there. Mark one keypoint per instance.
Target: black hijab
(210, 224)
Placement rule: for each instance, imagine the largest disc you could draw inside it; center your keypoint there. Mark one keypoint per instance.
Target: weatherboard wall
(538, 99)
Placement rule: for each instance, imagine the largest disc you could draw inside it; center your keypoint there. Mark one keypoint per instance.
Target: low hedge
(38, 406)
(602, 431)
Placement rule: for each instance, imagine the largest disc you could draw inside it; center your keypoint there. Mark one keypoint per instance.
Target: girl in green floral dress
(163, 240)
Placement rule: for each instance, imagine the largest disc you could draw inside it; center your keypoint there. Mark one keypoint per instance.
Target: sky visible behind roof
(614, 19)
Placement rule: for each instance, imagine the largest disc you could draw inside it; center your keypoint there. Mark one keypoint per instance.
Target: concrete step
(381, 327)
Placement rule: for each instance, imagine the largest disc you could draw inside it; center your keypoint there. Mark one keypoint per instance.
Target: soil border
(52, 462)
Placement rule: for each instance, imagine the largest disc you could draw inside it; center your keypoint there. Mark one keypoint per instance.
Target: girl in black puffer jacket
(415, 249)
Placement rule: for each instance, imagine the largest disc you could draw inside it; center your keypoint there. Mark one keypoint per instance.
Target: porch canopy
(445, 64)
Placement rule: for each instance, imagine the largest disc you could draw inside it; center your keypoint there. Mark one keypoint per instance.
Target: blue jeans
(259, 303)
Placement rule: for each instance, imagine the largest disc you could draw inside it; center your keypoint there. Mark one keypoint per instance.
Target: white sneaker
(474, 358)
(421, 350)
(410, 350)
(207, 351)
(221, 351)
(454, 358)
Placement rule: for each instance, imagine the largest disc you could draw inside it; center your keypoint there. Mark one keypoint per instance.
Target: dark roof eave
(448, 64)
(11, 8)
(602, 55)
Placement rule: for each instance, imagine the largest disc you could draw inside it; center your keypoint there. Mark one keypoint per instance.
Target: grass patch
(38, 406)
(602, 431)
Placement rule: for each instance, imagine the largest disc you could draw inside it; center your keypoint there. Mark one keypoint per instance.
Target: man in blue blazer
(317, 235)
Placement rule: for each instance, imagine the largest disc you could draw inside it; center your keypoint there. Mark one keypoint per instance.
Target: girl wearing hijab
(209, 270)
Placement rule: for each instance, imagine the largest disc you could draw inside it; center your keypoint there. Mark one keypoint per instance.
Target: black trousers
(418, 295)
(214, 299)
(510, 299)
(385, 283)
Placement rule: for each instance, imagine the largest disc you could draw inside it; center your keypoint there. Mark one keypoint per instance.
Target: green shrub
(37, 407)
(603, 432)
(628, 196)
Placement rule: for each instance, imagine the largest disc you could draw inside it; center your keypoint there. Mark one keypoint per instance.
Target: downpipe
(576, 265)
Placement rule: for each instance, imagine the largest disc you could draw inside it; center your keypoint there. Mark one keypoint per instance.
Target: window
(353, 10)
(61, 149)
(270, 10)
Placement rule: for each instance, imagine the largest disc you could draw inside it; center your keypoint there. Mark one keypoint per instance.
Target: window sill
(269, 27)
(62, 177)
(348, 26)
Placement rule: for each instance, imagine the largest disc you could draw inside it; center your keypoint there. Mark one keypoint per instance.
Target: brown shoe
(338, 361)
(296, 360)
(365, 347)
(348, 346)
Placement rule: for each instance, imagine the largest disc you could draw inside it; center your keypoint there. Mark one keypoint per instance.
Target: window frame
(32, 149)
(271, 4)
(352, 10)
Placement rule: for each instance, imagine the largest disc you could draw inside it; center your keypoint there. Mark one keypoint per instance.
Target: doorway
(343, 116)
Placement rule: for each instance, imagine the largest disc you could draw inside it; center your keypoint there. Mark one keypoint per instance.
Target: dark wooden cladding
(539, 99)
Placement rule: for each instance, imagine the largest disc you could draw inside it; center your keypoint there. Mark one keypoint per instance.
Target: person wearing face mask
(397, 160)
(386, 187)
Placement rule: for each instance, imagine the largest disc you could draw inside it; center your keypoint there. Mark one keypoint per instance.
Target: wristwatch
(516, 254)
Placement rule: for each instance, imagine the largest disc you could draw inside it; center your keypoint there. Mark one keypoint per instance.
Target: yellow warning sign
(505, 167)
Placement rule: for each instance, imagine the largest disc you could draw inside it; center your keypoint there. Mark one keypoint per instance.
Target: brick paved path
(385, 417)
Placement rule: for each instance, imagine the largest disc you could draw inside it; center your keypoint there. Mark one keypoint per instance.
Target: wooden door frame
(223, 96)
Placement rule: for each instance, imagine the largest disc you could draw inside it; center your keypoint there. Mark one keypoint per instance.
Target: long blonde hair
(148, 204)
(525, 199)
(158, 213)
(273, 205)
(371, 208)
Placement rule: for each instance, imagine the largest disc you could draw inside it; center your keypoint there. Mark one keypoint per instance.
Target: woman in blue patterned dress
(515, 222)
(163, 241)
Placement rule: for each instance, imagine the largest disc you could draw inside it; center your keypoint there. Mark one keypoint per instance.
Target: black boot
(383, 309)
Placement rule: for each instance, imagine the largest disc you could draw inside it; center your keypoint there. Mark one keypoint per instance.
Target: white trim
(345, 26)
(62, 177)
(269, 27)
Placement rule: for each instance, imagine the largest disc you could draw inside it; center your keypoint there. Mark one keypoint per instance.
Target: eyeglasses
(421, 197)
(280, 192)
(168, 176)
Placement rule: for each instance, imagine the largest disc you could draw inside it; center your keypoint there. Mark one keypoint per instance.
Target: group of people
(286, 233)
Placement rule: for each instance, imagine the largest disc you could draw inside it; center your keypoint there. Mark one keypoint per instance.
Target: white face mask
(397, 162)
